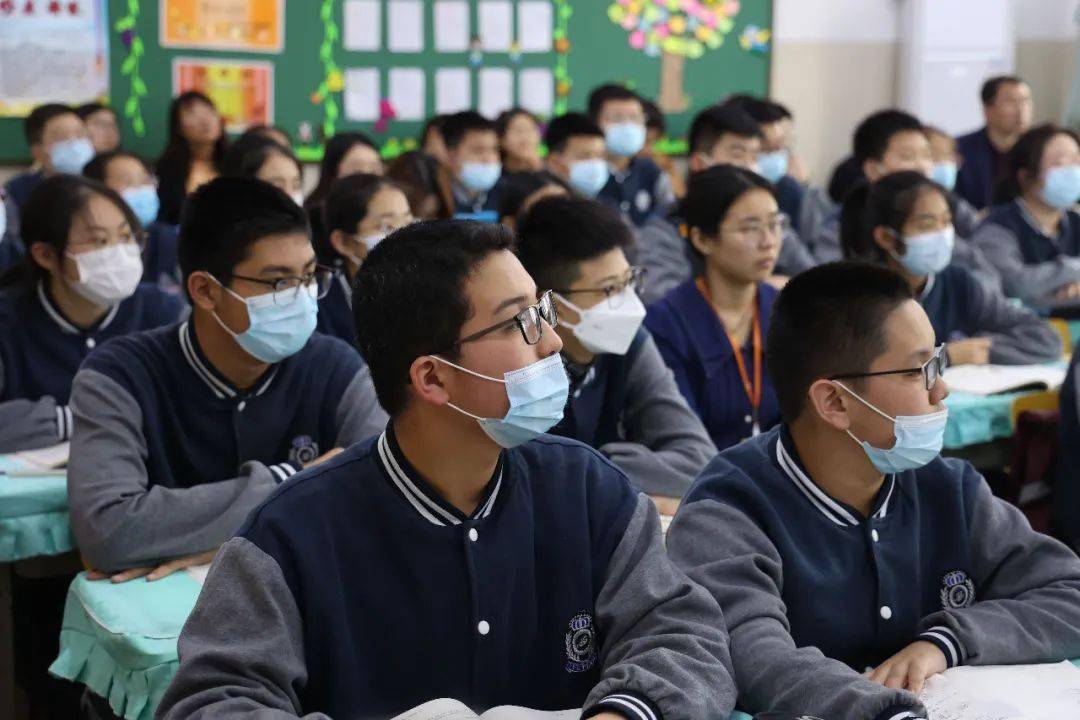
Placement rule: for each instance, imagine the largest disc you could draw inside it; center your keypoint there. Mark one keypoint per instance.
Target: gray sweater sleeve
(663, 636)
(967, 255)
(1019, 336)
(118, 517)
(662, 252)
(726, 552)
(666, 445)
(359, 415)
(794, 256)
(1027, 607)
(31, 424)
(1031, 283)
(241, 650)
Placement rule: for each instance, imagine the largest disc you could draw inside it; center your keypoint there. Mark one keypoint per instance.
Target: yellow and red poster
(243, 91)
(248, 25)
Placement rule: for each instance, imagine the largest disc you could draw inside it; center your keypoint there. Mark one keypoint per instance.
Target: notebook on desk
(447, 709)
(45, 460)
(1004, 692)
(996, 379)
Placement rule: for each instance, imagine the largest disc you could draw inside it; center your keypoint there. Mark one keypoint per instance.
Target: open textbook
(1005, 692)
(45, 460)
(994, 379)
(447, 709)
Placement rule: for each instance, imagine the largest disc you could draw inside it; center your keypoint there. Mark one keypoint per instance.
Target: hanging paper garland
(333, 82)
(131, 67)
(563, 83)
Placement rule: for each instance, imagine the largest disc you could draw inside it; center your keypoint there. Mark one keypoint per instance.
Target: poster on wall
(52, 52)
(243, 91)
(247, 25)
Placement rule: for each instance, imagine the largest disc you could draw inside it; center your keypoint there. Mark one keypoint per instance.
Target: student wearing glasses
(498, 564)
(180, 432)
(623, 398)
(710, 329)
(851, 561)
(78, 286)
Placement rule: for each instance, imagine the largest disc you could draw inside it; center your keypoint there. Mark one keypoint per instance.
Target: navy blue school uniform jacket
(481, 206)
(335, 309)
(356, 592)
(694, 345)
(161, 265)
(814, 593)
(789, 196)
(40, 351)
(959, 307)
(168, 457)
(983, 168)
(1067, 488)
(639, 192)
(1032, 264)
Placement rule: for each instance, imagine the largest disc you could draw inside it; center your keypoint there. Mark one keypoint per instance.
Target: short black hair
(507, 116)
(714, 122)
(564, 127)
(847, 175)
(248, 154)
(455, 127)
(409, 298)
(87, 109)
(710, 193)
(654, 117)
(227, 215)
(829, 320)
(39, 117)
(989, 91)
(519, 186)
(889, 203)
(98, 167)
(337, 147)
(1026, 156)
(872, 136)
(606, 93)
(345, 206)
(558, 233)
(763, 111)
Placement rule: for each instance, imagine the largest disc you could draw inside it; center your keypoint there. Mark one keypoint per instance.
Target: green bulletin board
(686, 54)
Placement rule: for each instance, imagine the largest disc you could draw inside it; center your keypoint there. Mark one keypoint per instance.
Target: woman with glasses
(128, 175)
(903, 221)
(78, 286)
(358, 212)
(711, 329)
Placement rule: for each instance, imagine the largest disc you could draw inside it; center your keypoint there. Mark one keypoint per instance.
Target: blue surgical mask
(589, 177)
(275, 331)
(773, 166)
(538, 394)
(624, 139)
(143, 201)
(927, 253)
(1062, 187)
(480, 177)
(71, 156)
(919, 439)
(944, 174)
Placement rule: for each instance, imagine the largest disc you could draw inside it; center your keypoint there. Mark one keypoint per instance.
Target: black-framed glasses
(527, 321)
(932, 369)
(613, 292)
(287, 288)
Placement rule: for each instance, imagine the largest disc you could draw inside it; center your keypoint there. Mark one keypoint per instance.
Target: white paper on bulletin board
(362, 94)
(363, 25)
(536, 90)
(52, 57)
(453, 90)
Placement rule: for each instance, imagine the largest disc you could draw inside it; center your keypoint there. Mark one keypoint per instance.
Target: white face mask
(108, 275)
(298, 198)
(369, 241)
(610, 325)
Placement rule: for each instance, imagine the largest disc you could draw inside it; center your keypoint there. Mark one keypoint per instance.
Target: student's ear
(339, 243)
(557, 164)
(700, 242)
(426, 376)
(885, 239)
(204, 292)
(39, 152)
(697, 162)
(872, 170)
(830, 403)
(45, 256)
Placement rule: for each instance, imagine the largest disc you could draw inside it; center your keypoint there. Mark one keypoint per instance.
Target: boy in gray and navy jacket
(462, 553)
(851, 561)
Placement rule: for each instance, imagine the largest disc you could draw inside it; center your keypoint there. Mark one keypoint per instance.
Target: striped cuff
(629, 705)
(64, 422)
(282, 471)
(945, 640)
(903, 713)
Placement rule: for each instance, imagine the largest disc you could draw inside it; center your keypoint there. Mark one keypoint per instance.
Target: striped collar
(66, 325)
(342, 276)
(421, 496)
(1063, 226)
(834, 510)
(205, 371)
(928, 287)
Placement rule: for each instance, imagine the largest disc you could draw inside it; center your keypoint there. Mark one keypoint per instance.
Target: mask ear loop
(469, 372)
(573, 307)
(867, 404)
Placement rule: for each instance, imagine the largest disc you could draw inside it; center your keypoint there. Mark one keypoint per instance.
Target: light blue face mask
(275, 332)
(624, 139)
(71, 156)
(480, 177)
(538, 394)
(944, 174)
(143, 201)
(919, 439)
(927, 253)
(1062, 187)
(773, 166)
(589, 177)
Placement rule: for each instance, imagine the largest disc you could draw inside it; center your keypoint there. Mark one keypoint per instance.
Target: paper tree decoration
(674, 31)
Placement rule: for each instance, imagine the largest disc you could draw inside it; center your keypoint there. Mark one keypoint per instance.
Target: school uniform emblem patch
(580, 643)
(643, 200)
(957, 590)
(303, 450)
